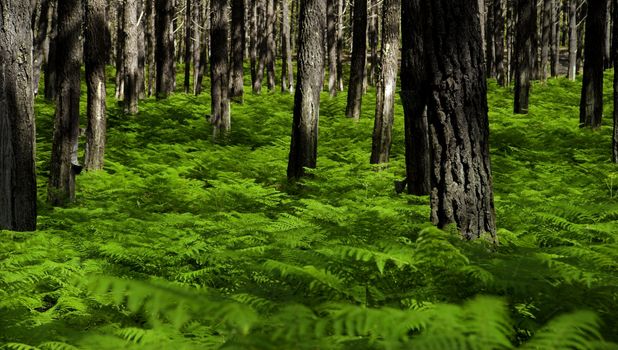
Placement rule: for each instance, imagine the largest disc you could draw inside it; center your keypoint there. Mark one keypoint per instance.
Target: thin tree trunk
(18, 196)
(64, 164)
(96, 50)
(331, 42)
(572, 69)
(591, 103)
(204, 52)
(120, 43)
(220, 104)
(164, 49)
(387, 82)
(262, 45)
(499, 26)
(489, 29)
(188, 44)
(270, 44)
(372, 37)
(581, 18)
(50, 66)
(238, 50)
(253, 42)
(526, 29)
(150, 47)
(615, 58)
(41, 43)
(414, 93)
(607, 42)
(130, 54)
(304, 145)
(359, 54)
(555, 40)
(287, 73)
(546, 37)
(340, 9)
(197, 42)
(141, 50)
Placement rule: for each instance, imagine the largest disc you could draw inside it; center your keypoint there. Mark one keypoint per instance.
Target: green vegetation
(184, 244)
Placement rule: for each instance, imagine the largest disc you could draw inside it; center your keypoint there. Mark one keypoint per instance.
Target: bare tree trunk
(615, 58)
(18, 200)
(526, 31)
(150, 47)
(205, 46)
(270, 44)
(141, 50)
(331, 42)
(607, 42)
(220, 103)
(489, 30)
(555, 40)
(238, 50)
(387, 82)
(120, 39)
(591, 103)
(499, 26)
(359, 54)
(64, 164)
(50, 66)
(581, 18)
(253, 42)
(372, 36)
(188, 44)
(164, 49)
(197, 42)
(304, 145)
(262, 45)
(340, 44)
(41, 43)
(572, 71)
(548, 6)
(287, 73)
(130, 54)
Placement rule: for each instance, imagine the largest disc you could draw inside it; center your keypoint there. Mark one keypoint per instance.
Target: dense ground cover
(185, 244)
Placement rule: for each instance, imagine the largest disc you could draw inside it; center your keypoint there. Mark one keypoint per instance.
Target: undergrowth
(184, 244)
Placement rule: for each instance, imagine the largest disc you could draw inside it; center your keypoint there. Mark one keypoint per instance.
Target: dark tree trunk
(219, 85)
(287, 73)
(164, 49)
(253, 42)
(238, 50)
(580, 35)
(414, 93)
(120, 43)
(461, 178)
(304, 145)
(64, 162)
(546, 35)
(188, 44)
(270, 44)
(526, 31)
(131, 56)
(197, 42)
(615, 58)
(387, 82)
(372, 37)
(499, 26)
(555, 40)
(591, 103)
(150, 46)
(41, 43)
(490, 51)
(607, 42)
(141, 51)
(511, 22)
(18, 200)
(572, 70)
(261, 44)
(205, 47)
(359, 54)
(50, 66)
(96, 51)
(331, 42)
(340, 9)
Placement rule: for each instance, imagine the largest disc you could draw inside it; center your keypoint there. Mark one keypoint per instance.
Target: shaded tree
(130, 56)
(331, 43)
(238, 50)
(164, 52)
(524, 58)
(572, 69)
(359, 58)
(591, 102)
(287, 73)
(219, 81)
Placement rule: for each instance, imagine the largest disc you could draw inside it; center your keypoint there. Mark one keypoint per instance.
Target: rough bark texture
(188, 45)
(499, 27)
(50, 67)
(304, 145)
(490, 51)
(120, 42)
(205, 46)
(96, 50)
(197, 42)
(372, 37)
(414, 90)
(287, 72)
(615, 58)
(238, 50)
(607, 37)
(359, 55)
(17, 129)
(591, 102)
(554, 51)
(261, 45)
(387, 82)
(572, 69)
(164, 49)
(331, 42)
(526, 29)
(150, 47)
(270, 44)
(340, 10)
(461, 175)
(66, 124)
(546, 37)
(219, 85)
(41, 43)
(130, 54)
(253, 42)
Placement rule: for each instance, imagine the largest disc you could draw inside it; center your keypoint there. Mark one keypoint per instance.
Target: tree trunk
(287, 73)
(270, 44)
(164, 49)
(372, 37)
(499, 25)
(120, 43)
(253, 42)
(41, 43)
(150, 47)
(414, 92)
(130, 54)
(261, 45)
(548, 6)
(197, 42)
(304, 145)
(205, 46)
(64, 164)
(238, 50)
(331, 42)
(359, 53)
(188, 44)
(18, 200)
(526, 31)
(461, 178)
(581, 18)
(340, 9)
(572, 69)
(607, 42)
(220, 104)
(615, 58)
(96, 50)
(141, 51)
(50, 66)
(489, 30)
(591, 103)
(387, 82)
(554, 40)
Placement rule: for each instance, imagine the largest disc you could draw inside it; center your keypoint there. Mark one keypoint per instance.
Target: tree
(572, 69)
(40, 43)
(164, 48)
(548, 9)
(287, 73)
(414, 93)
(591, 102)
(387, 82)
(615, 58)
(359, 58)
(64, 164)
(219, 85)
(130, 54)
(461, 178)
(17, 130)
(331, 42)
(499, 26)
(188, 44)
(50, 66)
(238, 50)
(96, 52)
(304, 145)
(526, 29)
(372, 37)
(150, 46)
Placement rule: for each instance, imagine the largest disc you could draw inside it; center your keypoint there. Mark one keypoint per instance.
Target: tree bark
(461, 174)
(205, 46)
(50, 67)
(270, 44)
(150, 47)
(18, 191)
(615, 58)
(287, 72)
(220, 104)
(546, 35)
(164, 49)
(120, 43)
(64, 164)
(555, 40)
(238, 50)
(197, 42)
(331, 42)
(340, 10)
(96, 50)
(359, 54)
(499, 26)
(253, 42)
(304, 145)
(526, 31)
(387, 82)
(572, 69)
(261, 45)
(607, 42)
(130, 57)
(188, 45)
(591, 103)
(489, 30)
(41, 43)
(372, 37)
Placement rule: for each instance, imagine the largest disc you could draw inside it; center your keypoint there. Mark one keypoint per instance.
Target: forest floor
(185, 244)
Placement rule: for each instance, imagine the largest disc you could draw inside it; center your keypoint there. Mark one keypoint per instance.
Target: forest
(308, 174)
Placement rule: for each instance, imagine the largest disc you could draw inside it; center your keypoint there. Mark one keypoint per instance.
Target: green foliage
(184, 244)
